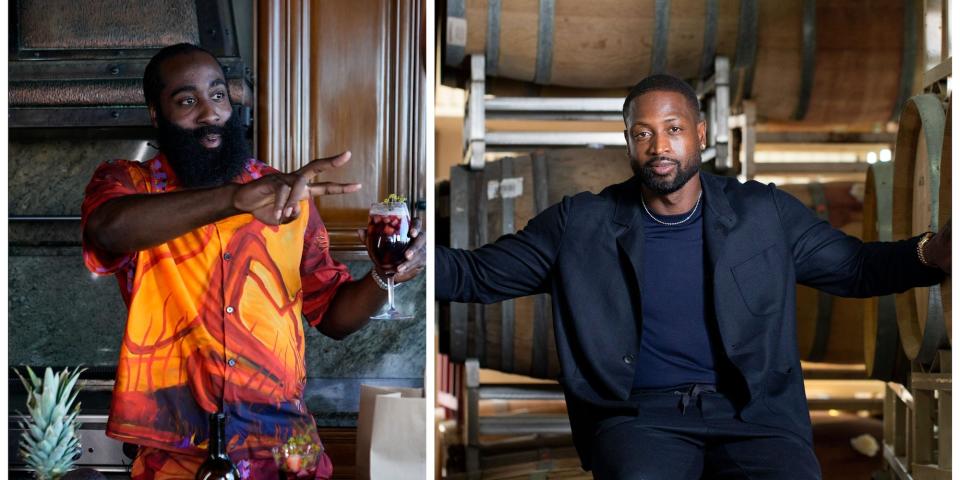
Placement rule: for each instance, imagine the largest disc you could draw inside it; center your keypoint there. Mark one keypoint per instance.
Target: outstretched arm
(515, 265)
(135, 222)
(829, 260)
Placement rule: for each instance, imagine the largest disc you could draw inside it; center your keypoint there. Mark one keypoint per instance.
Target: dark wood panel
(337, 76)
(341, 446)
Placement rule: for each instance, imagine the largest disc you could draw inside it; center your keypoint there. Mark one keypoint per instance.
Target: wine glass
(387, 239)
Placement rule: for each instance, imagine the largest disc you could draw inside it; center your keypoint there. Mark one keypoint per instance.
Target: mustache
(205, 130)
(649, 163)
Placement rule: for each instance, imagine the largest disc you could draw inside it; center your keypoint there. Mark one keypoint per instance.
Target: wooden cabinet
(335, 76)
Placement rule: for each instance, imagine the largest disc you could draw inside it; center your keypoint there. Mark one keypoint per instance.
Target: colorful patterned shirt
(214, 320)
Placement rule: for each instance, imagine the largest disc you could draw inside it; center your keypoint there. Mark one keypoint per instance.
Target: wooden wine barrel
(834, 62)
(596, 44)
(916, 209)
(840, 62)
(829, 328)
(516, 336)
(882, 353)
(944, 215)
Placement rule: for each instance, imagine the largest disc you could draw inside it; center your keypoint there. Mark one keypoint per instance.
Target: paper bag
(391, 434)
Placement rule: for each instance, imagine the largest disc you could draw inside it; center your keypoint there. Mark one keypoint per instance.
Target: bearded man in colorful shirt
(218, 257)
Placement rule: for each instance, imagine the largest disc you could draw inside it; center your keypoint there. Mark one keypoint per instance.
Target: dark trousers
(688, 433)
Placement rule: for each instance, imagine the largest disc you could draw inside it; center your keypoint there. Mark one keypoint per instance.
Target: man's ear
(626, 137)
(153, 114)
(702, 132)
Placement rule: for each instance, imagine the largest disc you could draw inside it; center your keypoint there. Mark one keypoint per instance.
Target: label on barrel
(511, 187)
(506, 188)
(457, 31)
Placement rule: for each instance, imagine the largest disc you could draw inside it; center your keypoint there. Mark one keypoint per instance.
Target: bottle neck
(218, 443)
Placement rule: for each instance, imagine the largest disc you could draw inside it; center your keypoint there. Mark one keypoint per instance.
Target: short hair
(662, 83)
(153, 80)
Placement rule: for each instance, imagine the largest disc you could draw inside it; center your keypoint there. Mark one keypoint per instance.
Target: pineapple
(50, 440)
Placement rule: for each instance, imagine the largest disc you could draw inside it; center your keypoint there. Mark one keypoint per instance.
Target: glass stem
(390, 292)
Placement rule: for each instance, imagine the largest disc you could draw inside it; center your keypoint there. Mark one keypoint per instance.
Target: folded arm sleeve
(515, 265)
(830, 260)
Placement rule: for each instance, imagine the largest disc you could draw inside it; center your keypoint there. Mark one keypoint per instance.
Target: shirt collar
(163, 178)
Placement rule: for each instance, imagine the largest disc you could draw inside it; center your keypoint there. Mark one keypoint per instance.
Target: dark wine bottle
(217, 466)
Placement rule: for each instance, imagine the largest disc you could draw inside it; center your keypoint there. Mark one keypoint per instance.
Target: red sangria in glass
(388, 234)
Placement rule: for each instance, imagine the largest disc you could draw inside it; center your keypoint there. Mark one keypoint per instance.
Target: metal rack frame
(714, 93)
(732, 135)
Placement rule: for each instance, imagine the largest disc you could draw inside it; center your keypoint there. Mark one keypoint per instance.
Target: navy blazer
(587, 252)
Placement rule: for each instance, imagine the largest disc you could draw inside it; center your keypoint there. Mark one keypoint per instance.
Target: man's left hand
(938, 249)
(416, 254)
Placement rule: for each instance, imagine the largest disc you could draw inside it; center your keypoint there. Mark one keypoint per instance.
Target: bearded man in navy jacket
(674, 303)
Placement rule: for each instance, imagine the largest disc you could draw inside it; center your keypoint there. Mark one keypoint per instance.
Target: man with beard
(674, 303)
(219, 258)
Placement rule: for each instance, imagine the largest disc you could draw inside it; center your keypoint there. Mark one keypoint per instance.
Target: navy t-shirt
(678, 321)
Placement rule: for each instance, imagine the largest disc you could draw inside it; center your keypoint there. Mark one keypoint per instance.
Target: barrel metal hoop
(933, 121)
(887, 342)
(507, 308)
(934, 330)
(661, 37)
(541, 315)
(809, 58)
(821, 338)
(459, 238)
(883, 190)
(544, 43)
(908, 56)
(479, 197)
(493, 37)
(456, 53)
(709, 40)
(819, 200)
(746, 49)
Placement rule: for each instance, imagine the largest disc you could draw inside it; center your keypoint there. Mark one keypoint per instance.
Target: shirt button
(628, 359)
(227, 256)
(232, 362)
(229, 309)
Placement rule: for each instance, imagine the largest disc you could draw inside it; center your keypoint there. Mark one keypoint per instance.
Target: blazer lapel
(630, 238)
(718, 217)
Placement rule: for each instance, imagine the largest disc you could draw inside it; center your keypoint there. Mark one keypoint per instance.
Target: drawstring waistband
(688, 392)
(693, 393)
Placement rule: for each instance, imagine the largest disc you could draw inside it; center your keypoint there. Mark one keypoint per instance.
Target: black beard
(197, 166)
(662, 186)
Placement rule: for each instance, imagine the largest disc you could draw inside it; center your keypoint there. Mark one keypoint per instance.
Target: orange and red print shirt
(214, 320)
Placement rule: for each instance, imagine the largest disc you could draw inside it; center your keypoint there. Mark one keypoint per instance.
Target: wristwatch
(920, 249)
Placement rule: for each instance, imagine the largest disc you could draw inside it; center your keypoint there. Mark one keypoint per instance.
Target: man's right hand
(275, 199)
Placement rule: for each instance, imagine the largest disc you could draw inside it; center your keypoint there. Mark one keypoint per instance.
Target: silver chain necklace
(671, 224)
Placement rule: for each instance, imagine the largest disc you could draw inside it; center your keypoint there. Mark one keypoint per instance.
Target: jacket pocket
(777, 383)
(784, 397)
(760, 282)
